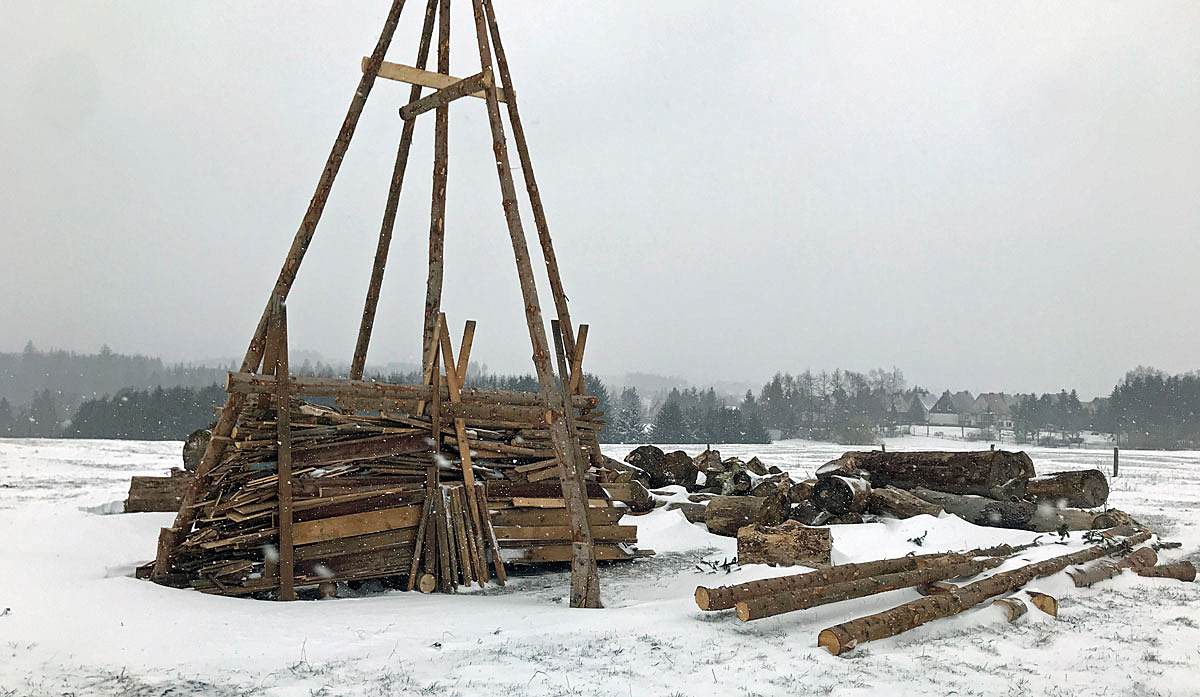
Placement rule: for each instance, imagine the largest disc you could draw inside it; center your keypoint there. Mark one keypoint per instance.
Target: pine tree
(669, 424)
(628, 424)
(7, 420)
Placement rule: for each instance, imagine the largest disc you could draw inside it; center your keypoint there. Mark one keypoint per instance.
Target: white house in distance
(989, 409)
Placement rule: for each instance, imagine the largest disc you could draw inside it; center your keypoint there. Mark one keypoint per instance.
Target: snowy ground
(74, 621)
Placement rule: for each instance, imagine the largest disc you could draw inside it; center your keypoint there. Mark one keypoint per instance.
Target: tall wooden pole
(584, 590)
(535, 196)
(283, 420)
(169, 538)
(367, 324)
(437, 216)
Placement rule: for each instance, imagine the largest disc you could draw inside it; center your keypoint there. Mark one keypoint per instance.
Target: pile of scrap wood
(371, 498)
(930, 574)
(994, 488)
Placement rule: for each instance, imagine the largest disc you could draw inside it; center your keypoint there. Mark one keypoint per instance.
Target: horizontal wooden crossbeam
(425, 78)
(444, 96)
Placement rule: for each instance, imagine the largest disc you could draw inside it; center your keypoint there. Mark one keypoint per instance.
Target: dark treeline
(1150, 409)
(842, 405)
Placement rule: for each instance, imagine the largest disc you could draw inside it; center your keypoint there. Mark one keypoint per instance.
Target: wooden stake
(367, 324)
(169, 538)
(283, 419)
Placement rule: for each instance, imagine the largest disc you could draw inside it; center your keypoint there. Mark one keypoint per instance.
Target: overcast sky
(997, 196)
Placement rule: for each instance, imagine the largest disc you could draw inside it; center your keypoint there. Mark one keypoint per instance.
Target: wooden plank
(426, 513)
(415, 76)
(551, 516)
(524, 502)
(492, 542)
(499, 489)
(356, 524)
(576, 386)
(611, 533)
(560, 553)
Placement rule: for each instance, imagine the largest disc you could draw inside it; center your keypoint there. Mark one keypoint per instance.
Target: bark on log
(678, 468)
(1019, 515)
(1014, 608)
(787, 544)
(709, 461)
(775, 485)
(726, 515)
(996, 473)
(790, 601)
(900, 503)
(647, 458)
(1181, 570)
(1078, 489)
(807, 512)
(1104, 570)
(194, 447)
(694, 512)
(755, 466)
(725, 597)
(847, 635)
(801, 491)
(840, 495)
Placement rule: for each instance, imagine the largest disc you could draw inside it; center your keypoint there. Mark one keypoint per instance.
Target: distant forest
(109, 395)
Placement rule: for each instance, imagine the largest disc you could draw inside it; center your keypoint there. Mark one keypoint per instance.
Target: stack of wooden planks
(372, 499)
(531, 524)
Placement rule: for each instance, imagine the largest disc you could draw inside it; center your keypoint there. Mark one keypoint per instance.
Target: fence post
(1116, 459)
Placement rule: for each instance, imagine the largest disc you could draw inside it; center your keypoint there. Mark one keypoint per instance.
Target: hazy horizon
(989, 197)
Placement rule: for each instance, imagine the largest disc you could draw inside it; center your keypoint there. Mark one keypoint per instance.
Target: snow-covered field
(73, 620)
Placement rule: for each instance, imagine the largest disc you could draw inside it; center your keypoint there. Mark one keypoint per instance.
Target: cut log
(1014, 608)
(725, 597)
(157, 494)
(999, 474)
(806, 512)
(193, 448)
(678, 468)
(790, 601)
(1019, 515)
(1181, 570)
(1046, 603)
(648, 459)
(755, 466)
(694, 512)
(801, 491)
(709, 461)
(725, 515)
(901, 504)
(773, 485)
(1077, 489)
(1104, 570)
(839, 495)
(787, 544)
(847, 635)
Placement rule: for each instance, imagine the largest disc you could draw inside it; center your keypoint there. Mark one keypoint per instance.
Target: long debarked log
(1018, 515)
(847, 635)
(995, 473)
(725, 597)
(1104, 570)
(790, 601)
(1078, 489)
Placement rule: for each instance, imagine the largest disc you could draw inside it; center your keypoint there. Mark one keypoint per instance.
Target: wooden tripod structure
(555, 391)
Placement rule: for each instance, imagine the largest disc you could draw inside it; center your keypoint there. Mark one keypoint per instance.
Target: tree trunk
(801, 491)
(847, 635)
(694, 512)
(839, 495)
(1019, 515)
(1079, 489)
(724, 597)
(996, 473)
(900, 503)
(790, 601)
(787, 544)
(1182, 570)
(1014, 608)
(728, 514)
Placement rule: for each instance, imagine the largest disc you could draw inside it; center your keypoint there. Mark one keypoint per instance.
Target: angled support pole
(367, 324)
(585, 589)
(169, 538)
(443, 97)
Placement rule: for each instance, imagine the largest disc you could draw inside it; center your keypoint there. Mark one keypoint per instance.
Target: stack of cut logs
(993, 488)
(372, 500)
(929, 575)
